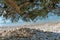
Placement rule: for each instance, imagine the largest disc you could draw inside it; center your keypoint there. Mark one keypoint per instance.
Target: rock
(29, 34)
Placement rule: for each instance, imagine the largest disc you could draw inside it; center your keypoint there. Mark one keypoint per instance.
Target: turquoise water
(51, 17)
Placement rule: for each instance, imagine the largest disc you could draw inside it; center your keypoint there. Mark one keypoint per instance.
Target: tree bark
(15, 7)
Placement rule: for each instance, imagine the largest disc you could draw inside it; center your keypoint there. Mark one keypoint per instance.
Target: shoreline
(26, 23)
(31, 31)
(45, 26)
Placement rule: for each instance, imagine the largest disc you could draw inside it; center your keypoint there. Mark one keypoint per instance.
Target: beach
(46, 29)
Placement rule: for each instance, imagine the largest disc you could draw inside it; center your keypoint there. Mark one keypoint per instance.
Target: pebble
(30, 34)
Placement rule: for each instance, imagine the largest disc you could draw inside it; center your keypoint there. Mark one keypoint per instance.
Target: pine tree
(25, 8)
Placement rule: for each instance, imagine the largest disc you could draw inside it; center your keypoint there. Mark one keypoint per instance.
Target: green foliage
(47, 5)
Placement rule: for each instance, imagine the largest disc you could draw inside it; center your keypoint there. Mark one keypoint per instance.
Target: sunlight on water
(50, 18)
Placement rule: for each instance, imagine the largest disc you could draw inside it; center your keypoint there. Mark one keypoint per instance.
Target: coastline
(34, 31)
(42, 26)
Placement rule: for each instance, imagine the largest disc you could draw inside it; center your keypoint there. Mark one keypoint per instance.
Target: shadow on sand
(30, 34)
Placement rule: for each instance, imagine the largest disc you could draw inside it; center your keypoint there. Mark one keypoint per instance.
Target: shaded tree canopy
(28, 8)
